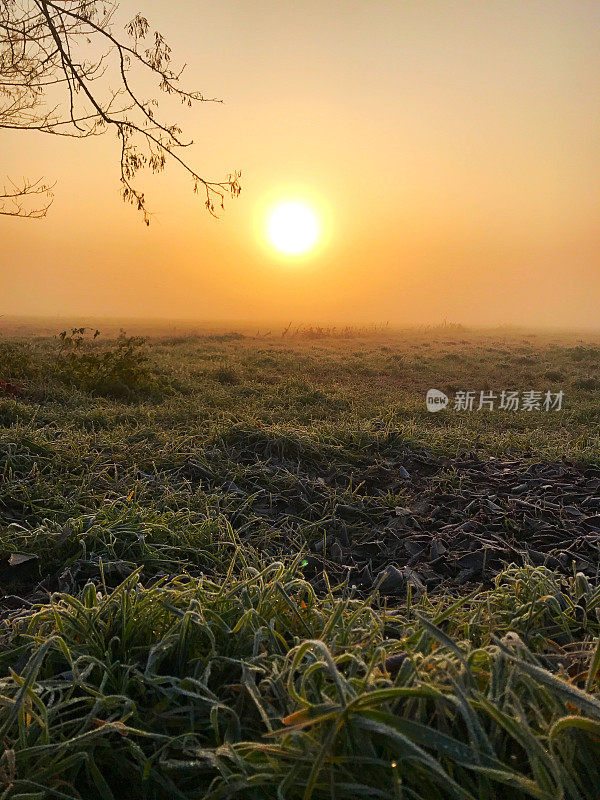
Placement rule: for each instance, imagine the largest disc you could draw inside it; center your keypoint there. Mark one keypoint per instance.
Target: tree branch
(50, 84)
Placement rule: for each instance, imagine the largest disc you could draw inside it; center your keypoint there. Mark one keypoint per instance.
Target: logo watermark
(436, 400)
(505, 400)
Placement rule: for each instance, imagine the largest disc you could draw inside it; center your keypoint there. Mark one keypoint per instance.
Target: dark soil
(463, 520)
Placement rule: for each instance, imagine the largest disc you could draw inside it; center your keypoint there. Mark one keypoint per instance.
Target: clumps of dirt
(464, 519)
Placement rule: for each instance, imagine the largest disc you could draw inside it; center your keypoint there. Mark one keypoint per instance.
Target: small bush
(116, 371)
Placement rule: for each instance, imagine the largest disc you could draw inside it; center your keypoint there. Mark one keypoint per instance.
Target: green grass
(254, 687)
(192, 383)
(170, 641)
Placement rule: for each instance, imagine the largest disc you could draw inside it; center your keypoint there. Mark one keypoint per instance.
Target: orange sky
(451, 150)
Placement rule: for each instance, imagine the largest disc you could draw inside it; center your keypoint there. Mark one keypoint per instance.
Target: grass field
(246, 565)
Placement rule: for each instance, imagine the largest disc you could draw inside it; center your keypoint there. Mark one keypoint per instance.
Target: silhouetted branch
(64, 71)
(15, 200)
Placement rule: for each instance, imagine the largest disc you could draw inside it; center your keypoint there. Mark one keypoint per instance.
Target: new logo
(435, 400)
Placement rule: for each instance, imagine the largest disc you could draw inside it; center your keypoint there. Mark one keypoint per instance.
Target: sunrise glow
(293, 228)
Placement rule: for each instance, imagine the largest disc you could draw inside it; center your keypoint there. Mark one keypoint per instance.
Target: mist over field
(449, 152)
(299, 400)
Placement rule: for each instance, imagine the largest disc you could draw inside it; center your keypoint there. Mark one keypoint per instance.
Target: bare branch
(64, 71)
(23, 200)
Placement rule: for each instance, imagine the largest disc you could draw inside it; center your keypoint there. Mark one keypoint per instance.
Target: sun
(293, 228)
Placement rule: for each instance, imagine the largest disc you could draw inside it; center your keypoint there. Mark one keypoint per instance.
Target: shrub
(119, 370)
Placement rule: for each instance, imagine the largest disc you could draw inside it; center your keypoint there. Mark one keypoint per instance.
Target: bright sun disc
(293, 228)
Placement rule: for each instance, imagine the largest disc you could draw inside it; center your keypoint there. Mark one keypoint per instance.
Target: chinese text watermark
(505, 400)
